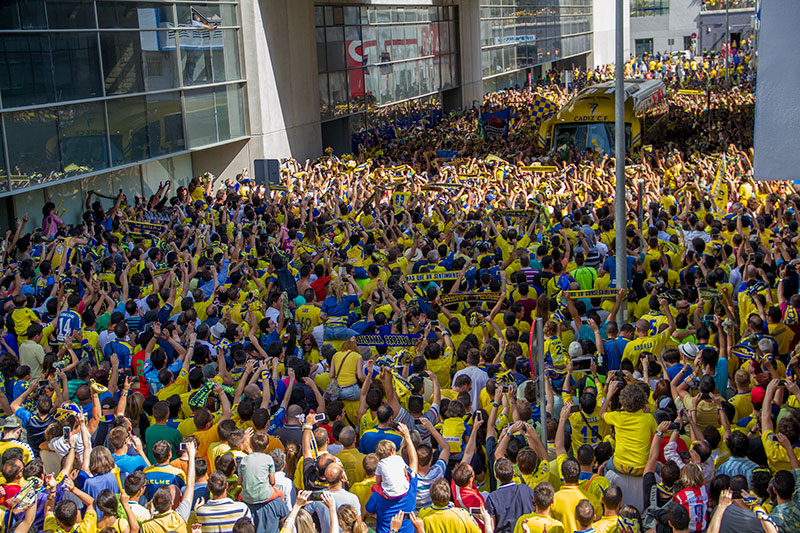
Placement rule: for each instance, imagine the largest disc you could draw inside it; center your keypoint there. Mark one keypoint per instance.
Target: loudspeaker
(266, 171)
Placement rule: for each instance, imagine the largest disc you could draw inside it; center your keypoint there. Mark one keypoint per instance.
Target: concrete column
(603, 31)
(469, 22)
(280, 59)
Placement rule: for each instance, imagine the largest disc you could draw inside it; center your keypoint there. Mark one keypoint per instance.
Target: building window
(688, 42)
(520, 35)
(368, 57)
(644, 46)
(114, 83)
(649, 8)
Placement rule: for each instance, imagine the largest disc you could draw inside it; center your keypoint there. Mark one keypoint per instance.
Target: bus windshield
(584, 135)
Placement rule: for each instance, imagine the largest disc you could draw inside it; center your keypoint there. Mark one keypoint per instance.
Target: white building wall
(604, 32)
(681, 21)
(280, 60)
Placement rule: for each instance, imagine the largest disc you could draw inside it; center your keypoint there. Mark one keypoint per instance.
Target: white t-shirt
(394, 481)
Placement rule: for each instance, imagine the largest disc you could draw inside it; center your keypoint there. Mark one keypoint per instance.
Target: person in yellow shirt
(307, 315)
(777, 456)
(363, 489)
(633, 428)
(351, 459)
(741, 401)
(612, 503)
(444, 517)
(568, 507)
(540, 519)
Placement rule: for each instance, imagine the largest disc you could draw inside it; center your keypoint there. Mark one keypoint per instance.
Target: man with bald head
(334, 474)
(351, 459)
(291, 431)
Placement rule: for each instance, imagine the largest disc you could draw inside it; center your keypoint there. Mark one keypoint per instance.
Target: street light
(619, 154)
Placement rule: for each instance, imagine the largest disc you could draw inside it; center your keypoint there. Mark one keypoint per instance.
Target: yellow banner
(538, 169)
(470, 297)
(592, 293)
(517, 212)
(690, 92)
(431, 276)
(495, 159)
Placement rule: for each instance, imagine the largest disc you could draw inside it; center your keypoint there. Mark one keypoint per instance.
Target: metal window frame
(105, 98)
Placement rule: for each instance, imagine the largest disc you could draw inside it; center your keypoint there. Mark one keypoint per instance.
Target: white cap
(575, 349)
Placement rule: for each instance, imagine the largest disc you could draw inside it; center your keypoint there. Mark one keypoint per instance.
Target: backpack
(286, 283)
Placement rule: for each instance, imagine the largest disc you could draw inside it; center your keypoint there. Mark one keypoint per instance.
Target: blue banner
(494, 125)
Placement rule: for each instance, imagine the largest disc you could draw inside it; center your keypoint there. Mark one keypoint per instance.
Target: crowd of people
(354, 350)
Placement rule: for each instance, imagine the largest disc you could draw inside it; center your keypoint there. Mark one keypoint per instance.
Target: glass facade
(649, 8)
(520, 34)
(369, 57)
(87, 86)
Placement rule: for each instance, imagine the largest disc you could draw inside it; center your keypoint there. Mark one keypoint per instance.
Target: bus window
(595, 135)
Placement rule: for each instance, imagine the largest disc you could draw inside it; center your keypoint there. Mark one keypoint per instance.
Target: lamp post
(619, 153)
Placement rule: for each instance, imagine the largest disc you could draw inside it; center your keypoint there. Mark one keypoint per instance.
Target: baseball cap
(108, 403)
(575, 349)
(11, 422)
(688, 349)
(757, 395)
(218, 330)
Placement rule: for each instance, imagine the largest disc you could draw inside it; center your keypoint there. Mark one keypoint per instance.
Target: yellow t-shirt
(308, 317)
(607, 524)
(179, 386)
(447, 520)
(565, 502)
(87, 525)
(441, 367)
(346, 375)
(352, 462)
(652, 343)
(777, 458)
(743, 404)
(363, 490)
(540, 474)
(633, 432)
(536, 523)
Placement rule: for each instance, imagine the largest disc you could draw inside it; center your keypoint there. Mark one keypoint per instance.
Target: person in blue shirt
(383, 431)
(69, 320)
(384, 508)
(336, 308)
(120, 440)
(614, 347)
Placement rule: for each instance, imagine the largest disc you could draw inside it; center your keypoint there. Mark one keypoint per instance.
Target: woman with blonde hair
(350, 521)
(335, 311)
(134, 412)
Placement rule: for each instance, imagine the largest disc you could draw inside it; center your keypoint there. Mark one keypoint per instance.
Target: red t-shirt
(137, 366)
(319, 287)
(664, 441)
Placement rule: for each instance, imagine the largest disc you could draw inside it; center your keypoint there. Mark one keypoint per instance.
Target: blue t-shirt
(97, 484)
(385, 509)
(371, 437)
(339, 309)
(67, 322)
(130, 463)
(614, 349)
